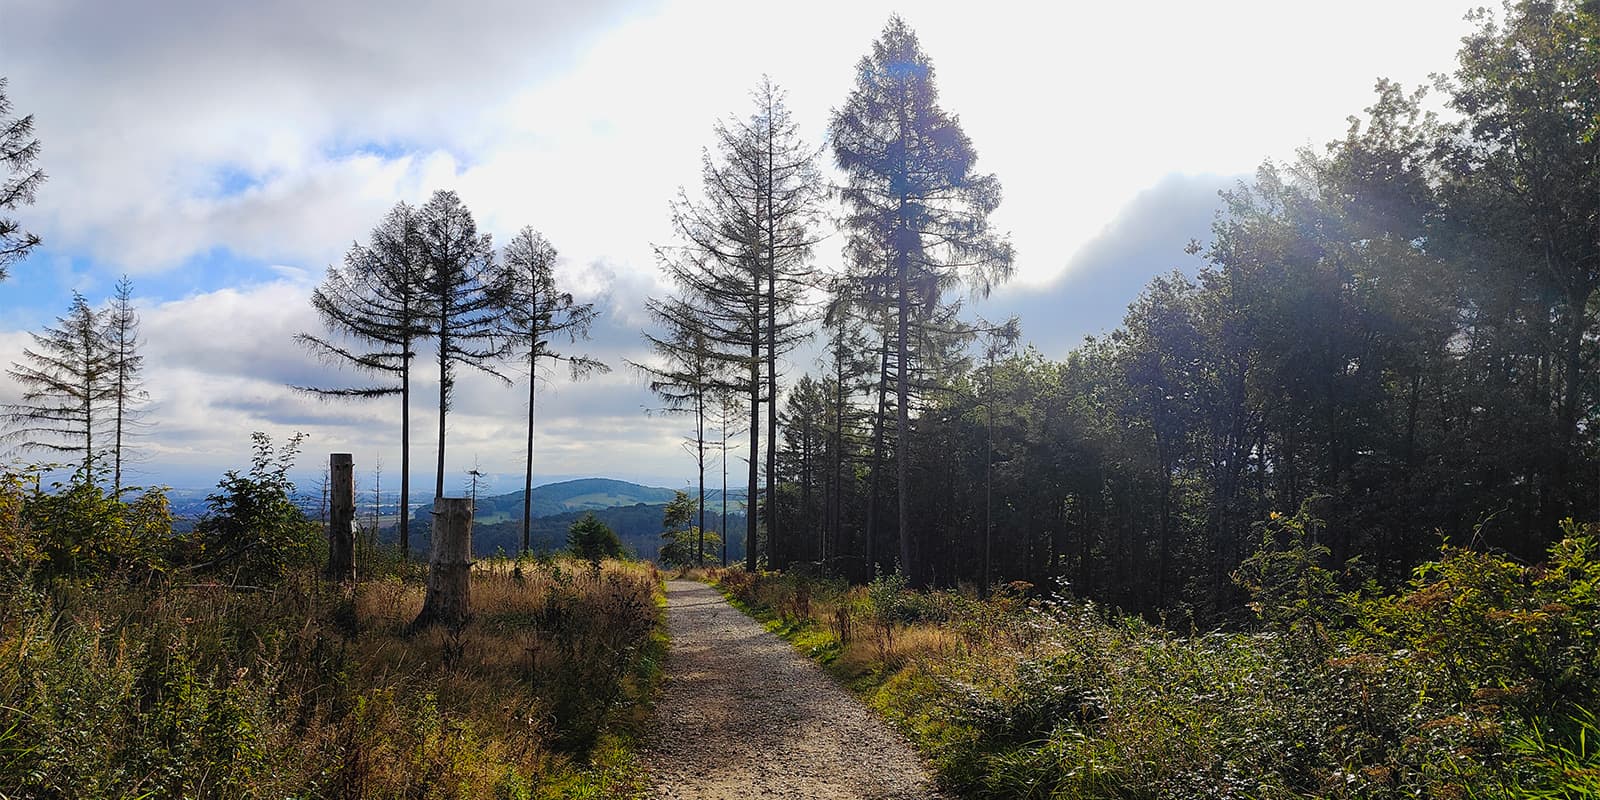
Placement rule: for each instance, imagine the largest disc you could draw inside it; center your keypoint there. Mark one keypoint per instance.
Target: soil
(742, 715)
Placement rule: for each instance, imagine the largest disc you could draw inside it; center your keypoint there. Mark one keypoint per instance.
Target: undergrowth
(1478, 679)
(132, 670)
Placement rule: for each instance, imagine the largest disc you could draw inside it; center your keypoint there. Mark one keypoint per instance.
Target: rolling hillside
(632, 510)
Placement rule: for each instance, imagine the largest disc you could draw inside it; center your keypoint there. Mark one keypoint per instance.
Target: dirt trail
(742, 715)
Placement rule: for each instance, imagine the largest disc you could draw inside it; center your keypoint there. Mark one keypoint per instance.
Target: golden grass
(334, 695)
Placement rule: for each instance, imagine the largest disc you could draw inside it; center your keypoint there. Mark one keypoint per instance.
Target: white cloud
(279, 133)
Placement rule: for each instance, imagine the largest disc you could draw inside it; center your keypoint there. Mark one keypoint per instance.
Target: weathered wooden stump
(341, 517)
(450, 566)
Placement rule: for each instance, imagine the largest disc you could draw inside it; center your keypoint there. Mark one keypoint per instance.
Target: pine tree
(686, 378)
(126, 365)
(457, 288)
(18, 151)
(916, 214)
(376, 311)
(66, 381)
(536, 313)
(742, 260)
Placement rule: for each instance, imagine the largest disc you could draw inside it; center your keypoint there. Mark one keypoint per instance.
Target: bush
(1478, 679)
(593, 540)
(79, 530)
(254, 533)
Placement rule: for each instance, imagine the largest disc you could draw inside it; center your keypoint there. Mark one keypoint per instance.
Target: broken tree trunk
(450, 566)
(341, 517)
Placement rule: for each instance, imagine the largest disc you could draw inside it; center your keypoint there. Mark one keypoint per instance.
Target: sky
(222, 155)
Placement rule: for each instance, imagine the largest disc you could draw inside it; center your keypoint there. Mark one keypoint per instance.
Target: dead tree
(375, 312)
(537, 313)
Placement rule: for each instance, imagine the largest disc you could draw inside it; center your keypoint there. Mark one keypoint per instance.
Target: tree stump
(341, 517)
(450, 566)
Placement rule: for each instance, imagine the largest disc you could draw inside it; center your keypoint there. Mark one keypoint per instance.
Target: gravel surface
(742, 715)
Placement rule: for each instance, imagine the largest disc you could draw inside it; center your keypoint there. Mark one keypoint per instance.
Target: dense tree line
(1398, 330)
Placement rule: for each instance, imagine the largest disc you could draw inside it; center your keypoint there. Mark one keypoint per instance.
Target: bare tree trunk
(804, 517)
(700, 459)
(877, 459)
(724, 529)
(405, 457)
(988, 481)
(527, 478)
(750, 505)
(444, 402)
(88, 426)
(775, 558)
(902, 460)
(342, 517)
(448, 600)
(121, 394)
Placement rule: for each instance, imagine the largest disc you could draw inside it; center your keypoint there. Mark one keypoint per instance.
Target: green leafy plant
(592, 540)
(684, 544)
(254, 531)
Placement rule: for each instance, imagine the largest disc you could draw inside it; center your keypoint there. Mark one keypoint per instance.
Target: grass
(1471, 682)
(160, 688)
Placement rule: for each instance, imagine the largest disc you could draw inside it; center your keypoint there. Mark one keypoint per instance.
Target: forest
(1396, 331)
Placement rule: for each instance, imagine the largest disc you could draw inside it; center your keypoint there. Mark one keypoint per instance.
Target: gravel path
(742, 715)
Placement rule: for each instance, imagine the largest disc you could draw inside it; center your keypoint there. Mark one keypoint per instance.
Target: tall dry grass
(169, 690)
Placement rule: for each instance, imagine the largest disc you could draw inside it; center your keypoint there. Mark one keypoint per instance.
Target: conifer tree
(458, 289)
(686, 378)
(66, 377)
(916, 213)
(375, 310)
(126, 365)
(742, 261)
(536, 313)
(19, 182)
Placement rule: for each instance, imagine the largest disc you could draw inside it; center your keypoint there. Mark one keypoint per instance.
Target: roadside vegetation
(135, 662)
(1477, 679)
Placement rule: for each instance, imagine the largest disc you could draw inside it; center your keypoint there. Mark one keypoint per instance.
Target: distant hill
(638, 526)
(632, 510)
(583, 494)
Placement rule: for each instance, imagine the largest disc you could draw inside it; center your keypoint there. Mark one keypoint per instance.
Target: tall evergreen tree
(18, 184)
(458, 281)
(126, 365)
(742, 256)
(536, 312)
(917, 212)
(66, 377)
(376, 311)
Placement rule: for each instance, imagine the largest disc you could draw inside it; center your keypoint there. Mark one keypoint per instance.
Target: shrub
(1477, 679)
(254, 532)
(592, 540)
(79, 530)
